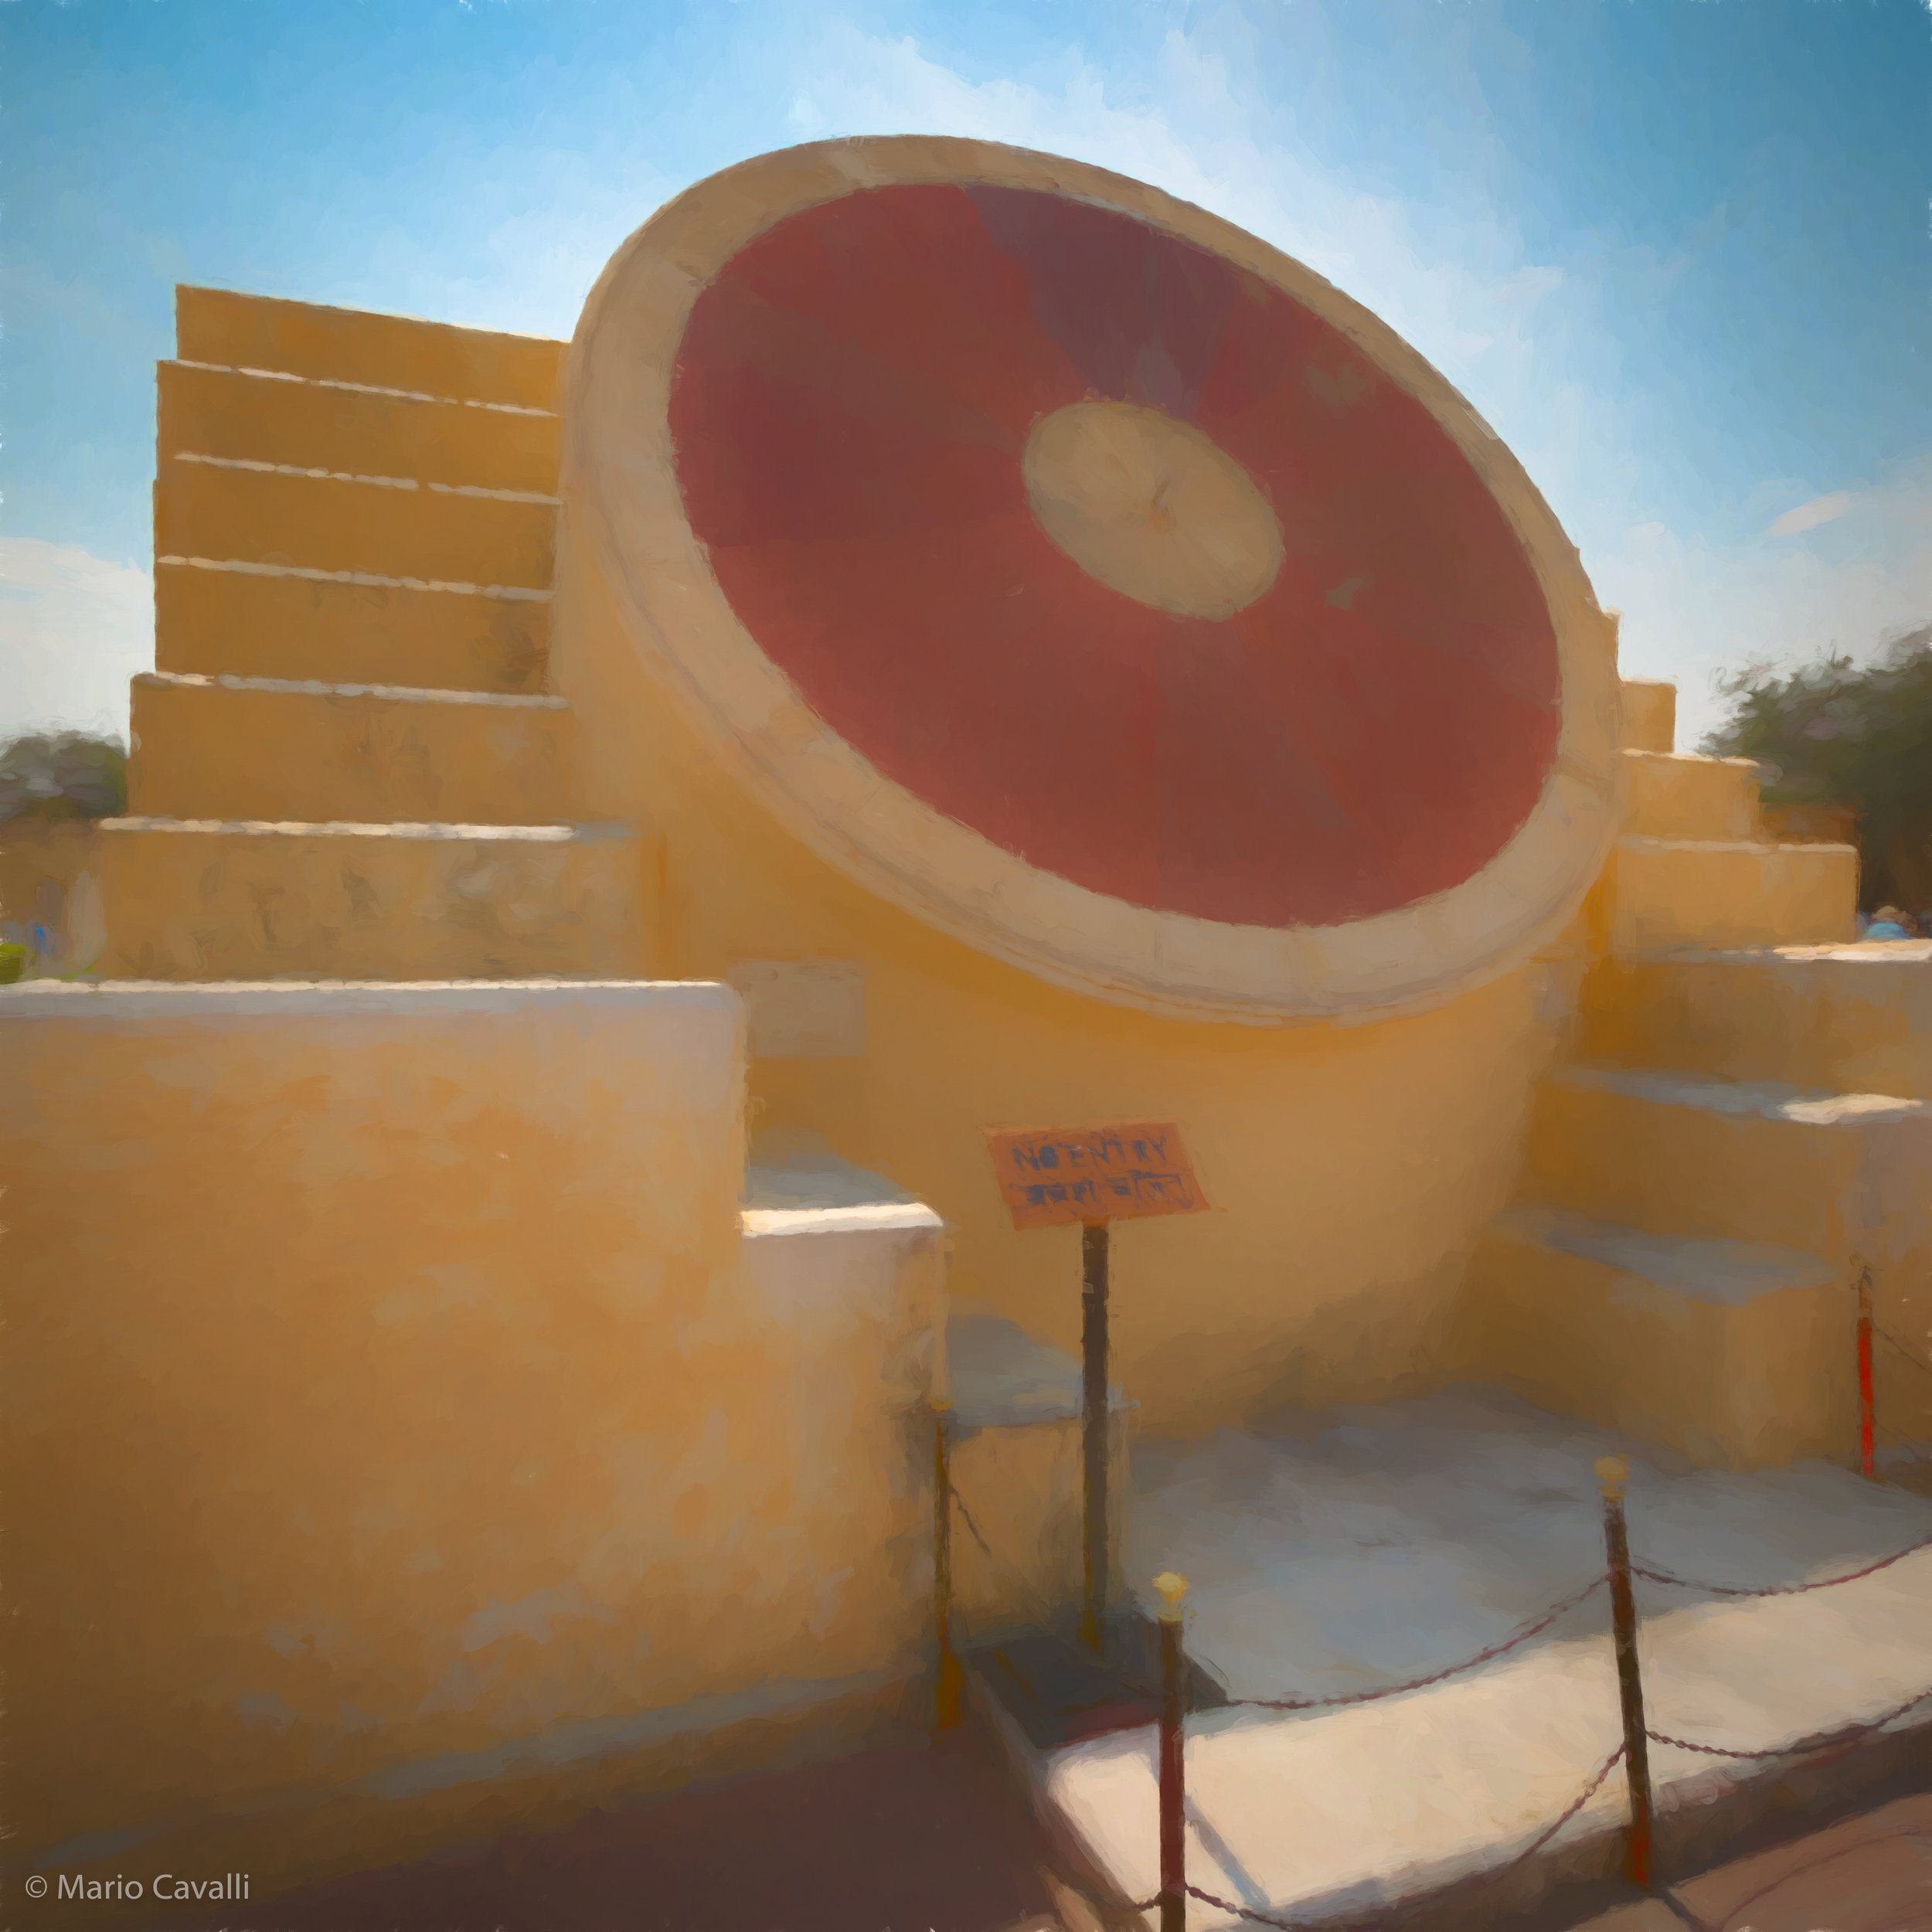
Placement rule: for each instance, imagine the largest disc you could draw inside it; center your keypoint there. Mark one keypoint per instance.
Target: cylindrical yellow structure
(1076, 666)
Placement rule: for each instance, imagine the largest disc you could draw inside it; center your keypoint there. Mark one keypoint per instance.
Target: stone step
(1676, 796)
(270, 749)
(227, 508)
(1650, 715)
(1669, 893)
(1734, 1354)
(1683, 1155)
(1016, 1417)
(351, 345)
(312, 423)
(215, 617)
(1334, 1554)
(1852, 1018)
(205, 899)
(843, 1280)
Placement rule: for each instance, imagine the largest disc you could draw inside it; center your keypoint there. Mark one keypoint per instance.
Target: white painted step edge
(257, 828)
(1645, 842)
(1764, 1099)
(389, 693)
(357, 389)
(368, 580)
(1875, 952)
(258, 467)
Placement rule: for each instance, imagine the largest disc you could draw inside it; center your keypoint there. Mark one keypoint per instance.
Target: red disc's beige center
(1152, 507)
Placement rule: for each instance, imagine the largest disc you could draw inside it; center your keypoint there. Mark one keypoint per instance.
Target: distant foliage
(70, 775)
(1858, 736)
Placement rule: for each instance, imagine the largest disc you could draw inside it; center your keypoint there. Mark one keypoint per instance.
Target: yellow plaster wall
(1766, 1381)
(43, 861)
(1349, 1167)
(388, 1387)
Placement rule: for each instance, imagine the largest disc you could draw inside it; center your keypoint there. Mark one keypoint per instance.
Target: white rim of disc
(620, 479)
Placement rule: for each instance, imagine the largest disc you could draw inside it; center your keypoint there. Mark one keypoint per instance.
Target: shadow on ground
(907, 1839)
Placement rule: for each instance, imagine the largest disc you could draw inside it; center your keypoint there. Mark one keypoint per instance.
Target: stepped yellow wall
(518, 797)
(392, 1414)
(599, 837)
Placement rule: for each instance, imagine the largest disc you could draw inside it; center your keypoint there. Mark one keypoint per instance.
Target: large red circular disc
(852, 395)
(846, 404)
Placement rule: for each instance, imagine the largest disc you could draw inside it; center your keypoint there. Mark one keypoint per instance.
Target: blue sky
(1676, 251)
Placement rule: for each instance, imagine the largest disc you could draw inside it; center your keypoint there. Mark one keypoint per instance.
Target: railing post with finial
(1613, 1472)
(1173, 1738)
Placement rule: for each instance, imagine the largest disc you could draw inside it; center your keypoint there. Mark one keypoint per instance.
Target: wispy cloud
(74, 627)
(1528, 340)
(1808, 516)
(1841, 573)
(1458, 284)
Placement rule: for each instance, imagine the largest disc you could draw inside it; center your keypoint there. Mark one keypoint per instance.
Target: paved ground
(929, 1840)
(906, 1839)
(1870, 1874)
(1359, 1549)
(1336, 1555)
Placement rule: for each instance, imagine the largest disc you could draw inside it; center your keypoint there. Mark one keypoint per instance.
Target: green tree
(66, 775)
(1836, 732)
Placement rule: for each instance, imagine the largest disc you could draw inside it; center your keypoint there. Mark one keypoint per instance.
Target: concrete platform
(1338, 1554)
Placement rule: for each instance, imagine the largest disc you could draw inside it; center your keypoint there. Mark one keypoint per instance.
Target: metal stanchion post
(1612, 1473)
(949, 1706)
(1094, 1429)
(1173, 1739)
(1868, 1407)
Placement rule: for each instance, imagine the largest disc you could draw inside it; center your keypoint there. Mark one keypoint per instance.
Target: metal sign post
(1093, 1430)
(1051, 1177)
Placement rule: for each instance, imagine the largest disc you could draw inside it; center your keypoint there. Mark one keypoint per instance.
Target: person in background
(1887, 922)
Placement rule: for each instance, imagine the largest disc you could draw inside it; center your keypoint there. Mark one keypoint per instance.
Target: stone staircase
(346, 765)
(1744, 1123)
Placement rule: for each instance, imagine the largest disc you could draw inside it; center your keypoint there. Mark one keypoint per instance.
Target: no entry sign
(1050, 1176)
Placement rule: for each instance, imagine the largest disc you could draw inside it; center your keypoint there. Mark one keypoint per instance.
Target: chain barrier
(1632, 1753)
(1508, 1644)
(1491, 1876)
(1864, 1728)
(1781, 1590)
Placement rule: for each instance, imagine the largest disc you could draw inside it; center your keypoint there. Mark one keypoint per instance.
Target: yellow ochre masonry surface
(401, 1411)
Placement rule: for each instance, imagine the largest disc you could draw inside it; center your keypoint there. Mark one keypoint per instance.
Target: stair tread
(829, 1197)
(1649, 841)
(279, 514)
(261, 466)
(271, 333)
(1873, 952)
(388, 693)
(1767, 1100)
(1729, 1273)
(345, 828)
(1688, 758)
(364, 389)
(369, 580)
